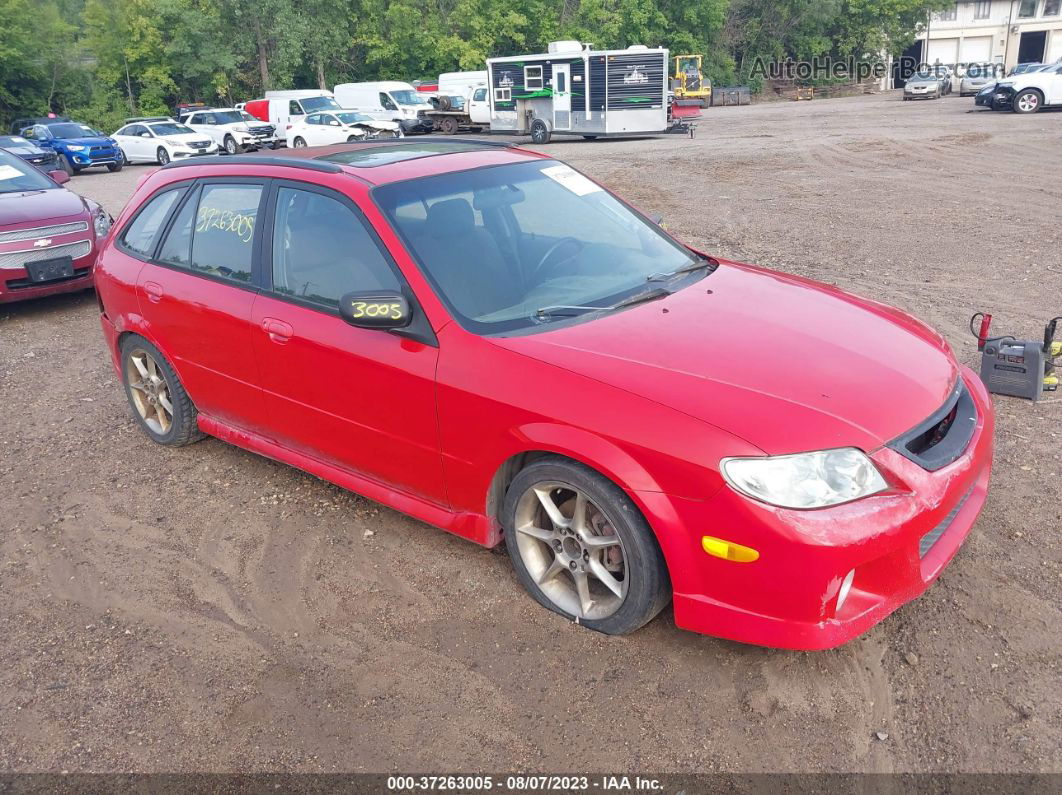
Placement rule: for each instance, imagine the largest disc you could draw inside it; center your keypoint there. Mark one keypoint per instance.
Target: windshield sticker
(571, 179)
(10, 172)
(18, 140)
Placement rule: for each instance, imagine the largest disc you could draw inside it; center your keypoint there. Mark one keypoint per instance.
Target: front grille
(43, 231)
(10, 260)
(263, 132)
(933, 536)
(22, 284)
(944, 435)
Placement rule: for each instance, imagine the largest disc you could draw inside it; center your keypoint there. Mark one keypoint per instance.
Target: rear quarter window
(142, 232)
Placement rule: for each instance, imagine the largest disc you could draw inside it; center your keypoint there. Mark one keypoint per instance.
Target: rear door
(197, 290)
(358, 398)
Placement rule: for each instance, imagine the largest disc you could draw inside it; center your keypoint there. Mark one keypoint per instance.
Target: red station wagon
(48, 235)
(485, 339)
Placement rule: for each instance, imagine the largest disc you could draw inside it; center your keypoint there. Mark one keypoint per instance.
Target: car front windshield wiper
(696, 265)
(641, 298)
(547, 312)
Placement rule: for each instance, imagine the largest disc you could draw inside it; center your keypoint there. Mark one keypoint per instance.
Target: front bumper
(16, 286)
(416, 125)
(922, 94)
(101, 157)
(897, 543)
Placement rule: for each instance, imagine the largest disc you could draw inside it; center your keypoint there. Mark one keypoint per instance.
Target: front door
(562, 96)
(362, 399)
(479, 107)
(1054, 86)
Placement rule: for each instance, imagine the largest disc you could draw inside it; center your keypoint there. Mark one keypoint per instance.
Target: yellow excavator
(689, 83)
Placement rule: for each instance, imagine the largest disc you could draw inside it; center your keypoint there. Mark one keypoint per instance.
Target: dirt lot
(206, 609)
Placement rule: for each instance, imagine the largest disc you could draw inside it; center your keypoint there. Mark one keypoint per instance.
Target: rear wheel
(162, 407)
(298, 143)
(1028, 101)
(162, 156)
(448, 125)
(582, 549)
(540, 132)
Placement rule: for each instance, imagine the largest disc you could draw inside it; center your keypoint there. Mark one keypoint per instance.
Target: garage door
(976, 50)
(944, 50)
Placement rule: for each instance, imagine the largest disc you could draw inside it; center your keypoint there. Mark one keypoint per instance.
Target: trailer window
(503, 94)
(533, 78)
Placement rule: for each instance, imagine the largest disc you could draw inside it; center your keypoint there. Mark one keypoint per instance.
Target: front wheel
(162, 156)
(298, 143)
(64, 163)
(1028, 101)
(230, 145)
(112, 167)
(582, 549)
(161, 405)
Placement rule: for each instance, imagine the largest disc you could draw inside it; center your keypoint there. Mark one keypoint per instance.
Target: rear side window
(139, 236)
(322, 250)
(214, 232)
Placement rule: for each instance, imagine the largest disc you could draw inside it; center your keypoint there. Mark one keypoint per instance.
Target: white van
(461, 84)
(387, 100)
(279, 108)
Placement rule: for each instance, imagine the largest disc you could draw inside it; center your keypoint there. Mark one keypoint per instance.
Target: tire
(1027, 101)
(113, 167)
(448, 125)
(540, 132)
(230, 145)
(64, 164)
(298, 143)
(158, 380)
(162, 156)
(550, 568)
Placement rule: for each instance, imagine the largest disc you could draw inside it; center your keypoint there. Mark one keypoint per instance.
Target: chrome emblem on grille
(44, 241)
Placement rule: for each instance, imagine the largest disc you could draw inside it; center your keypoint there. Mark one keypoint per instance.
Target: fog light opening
(846, 587)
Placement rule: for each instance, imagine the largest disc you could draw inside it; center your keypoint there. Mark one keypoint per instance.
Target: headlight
(102, 222)
(805, 480)
(75, 148)
(1005, 83)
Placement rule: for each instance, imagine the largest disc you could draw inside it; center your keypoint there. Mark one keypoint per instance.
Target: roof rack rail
(258, 160)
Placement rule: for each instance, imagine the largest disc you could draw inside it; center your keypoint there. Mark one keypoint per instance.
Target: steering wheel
(537, 271)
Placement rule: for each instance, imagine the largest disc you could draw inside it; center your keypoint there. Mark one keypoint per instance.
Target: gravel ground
(207, 609)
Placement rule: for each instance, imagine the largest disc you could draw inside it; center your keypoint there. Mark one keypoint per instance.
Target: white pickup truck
(454, 113)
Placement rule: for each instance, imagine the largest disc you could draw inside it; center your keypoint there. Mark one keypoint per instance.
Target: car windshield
(312, 104)
(924, 76)
(17, 176)
(407, 97)
(227, 116)
(348, 117)
(515, 247)
(170, 128)
(73, 131)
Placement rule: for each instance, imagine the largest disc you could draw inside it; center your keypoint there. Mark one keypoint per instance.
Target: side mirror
(145, 135)
(59, 177)
(375, 310)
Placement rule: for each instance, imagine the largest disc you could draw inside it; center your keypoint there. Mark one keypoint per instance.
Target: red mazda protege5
(48, 235)
(485, 339)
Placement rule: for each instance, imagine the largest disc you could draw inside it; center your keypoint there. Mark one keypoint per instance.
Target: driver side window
(323, 250)
(386, 103)
(294, 108)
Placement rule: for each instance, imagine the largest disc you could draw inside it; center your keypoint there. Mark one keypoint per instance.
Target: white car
(160, 140)
(335, 127)
(226, 127)
(1029, 92)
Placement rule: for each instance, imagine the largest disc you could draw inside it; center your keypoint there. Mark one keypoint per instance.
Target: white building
(1007, 32)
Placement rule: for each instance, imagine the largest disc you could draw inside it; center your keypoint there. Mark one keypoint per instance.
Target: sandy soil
(206, 609)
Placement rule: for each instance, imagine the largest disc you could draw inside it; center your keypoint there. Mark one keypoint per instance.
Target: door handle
(154, 291)
(278, 331)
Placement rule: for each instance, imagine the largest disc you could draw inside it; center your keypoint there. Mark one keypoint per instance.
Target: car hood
(786, 364)
(37, 208)
(23, 149)
(89, 141)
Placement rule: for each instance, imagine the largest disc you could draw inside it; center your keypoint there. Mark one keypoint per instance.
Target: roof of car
(380, 162)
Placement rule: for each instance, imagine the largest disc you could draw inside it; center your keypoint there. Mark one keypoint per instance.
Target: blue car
(77, 145)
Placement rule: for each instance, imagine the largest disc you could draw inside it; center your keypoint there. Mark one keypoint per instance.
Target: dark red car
(485, 339)
(49, 236)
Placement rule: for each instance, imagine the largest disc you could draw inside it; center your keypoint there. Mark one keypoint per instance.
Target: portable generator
(1023, 368)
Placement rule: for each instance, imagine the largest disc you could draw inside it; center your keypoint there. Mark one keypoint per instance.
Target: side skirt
(473, 526)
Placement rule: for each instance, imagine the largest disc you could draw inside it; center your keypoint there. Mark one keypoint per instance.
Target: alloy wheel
(1027, 103)
(571, 550)
(149, 390)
